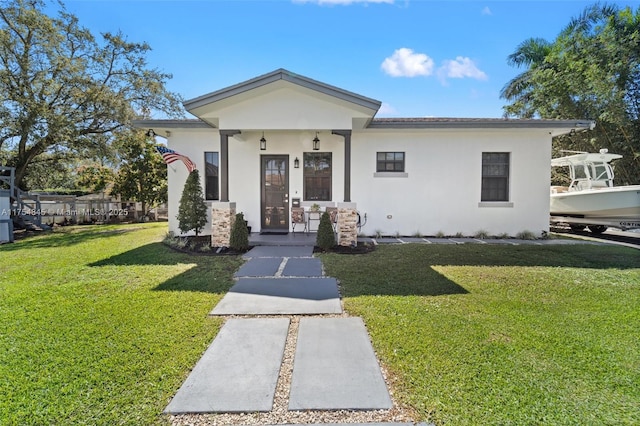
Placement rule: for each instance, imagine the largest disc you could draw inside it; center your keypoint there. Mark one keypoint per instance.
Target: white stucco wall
(441, 193)
(285, 106)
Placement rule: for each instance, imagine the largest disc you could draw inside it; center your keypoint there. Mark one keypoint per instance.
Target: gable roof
(284, 75)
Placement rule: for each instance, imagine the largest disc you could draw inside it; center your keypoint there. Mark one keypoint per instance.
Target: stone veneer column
(223, 215)
(347, 224)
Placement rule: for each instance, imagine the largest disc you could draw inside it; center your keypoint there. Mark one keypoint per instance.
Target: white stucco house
(264, 145)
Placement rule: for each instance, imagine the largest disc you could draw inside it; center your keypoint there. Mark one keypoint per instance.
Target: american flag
(169, 156)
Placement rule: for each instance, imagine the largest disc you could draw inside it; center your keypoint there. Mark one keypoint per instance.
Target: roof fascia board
(483, 124)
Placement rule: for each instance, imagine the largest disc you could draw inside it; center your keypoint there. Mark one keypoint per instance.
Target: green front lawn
(481, 334)
(100, 325)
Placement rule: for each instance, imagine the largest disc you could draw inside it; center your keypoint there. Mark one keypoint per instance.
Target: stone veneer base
(223, 215)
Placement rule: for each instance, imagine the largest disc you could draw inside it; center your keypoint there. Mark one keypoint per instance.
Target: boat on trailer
(591, 200)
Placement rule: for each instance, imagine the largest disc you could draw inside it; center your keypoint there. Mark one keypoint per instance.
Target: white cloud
(386, 110)
(405, 63)
(342, 2)
(461, 67)
(486, 11)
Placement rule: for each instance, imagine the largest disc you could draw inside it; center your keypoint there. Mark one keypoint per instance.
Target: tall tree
(142, 175)
(62, 91)
(94, 177)
(530, 53)
(591, 70)
(48, 172)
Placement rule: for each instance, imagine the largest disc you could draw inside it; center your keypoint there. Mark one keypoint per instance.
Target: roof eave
(175, 124)
(167, 125)
(557, 127)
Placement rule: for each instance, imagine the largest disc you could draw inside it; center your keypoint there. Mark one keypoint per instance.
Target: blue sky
(420, 58)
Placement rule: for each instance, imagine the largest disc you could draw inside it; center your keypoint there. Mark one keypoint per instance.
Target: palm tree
(531, 53)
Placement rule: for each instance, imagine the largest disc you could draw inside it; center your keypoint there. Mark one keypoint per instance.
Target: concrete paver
(414, 240)
(335, 367)
(280, 251)
(303, 267)
(439, 241)
(259, 267)
(238, 372)
(281, 296)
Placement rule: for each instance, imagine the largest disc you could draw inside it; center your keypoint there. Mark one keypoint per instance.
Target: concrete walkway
(334, 367)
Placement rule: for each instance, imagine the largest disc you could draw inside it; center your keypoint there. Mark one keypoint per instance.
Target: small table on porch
(313, 216)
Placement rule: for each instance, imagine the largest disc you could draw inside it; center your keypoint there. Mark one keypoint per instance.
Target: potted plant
(315, 207)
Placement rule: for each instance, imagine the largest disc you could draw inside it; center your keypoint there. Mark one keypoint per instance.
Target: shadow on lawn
(423, 282)
(411, 269)
(208, 274)
(66, 237)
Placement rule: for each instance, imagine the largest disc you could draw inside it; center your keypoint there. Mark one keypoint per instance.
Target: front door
(275, 193)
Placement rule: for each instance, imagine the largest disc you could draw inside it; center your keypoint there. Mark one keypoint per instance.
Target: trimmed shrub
(325, 238)
(192, 211)
(239, 239)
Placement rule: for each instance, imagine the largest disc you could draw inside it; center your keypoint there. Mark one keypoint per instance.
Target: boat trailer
(597, 225)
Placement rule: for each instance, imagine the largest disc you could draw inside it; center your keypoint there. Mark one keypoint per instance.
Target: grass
(497, 334)
(100, 325)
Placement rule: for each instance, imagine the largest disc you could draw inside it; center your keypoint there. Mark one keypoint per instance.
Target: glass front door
(275, 193)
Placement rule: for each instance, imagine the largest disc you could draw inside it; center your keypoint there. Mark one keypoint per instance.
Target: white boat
(591, 200)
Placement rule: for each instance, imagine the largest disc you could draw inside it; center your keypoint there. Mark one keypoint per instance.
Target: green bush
(239, 234)
(192, 211)
(325, 238)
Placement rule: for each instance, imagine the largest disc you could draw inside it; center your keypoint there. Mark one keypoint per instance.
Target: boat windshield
(602, 172)
(590, 175)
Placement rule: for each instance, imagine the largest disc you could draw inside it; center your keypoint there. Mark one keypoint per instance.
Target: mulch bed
(201, 246)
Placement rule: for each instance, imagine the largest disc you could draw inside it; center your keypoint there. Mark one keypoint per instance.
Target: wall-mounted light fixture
(316, 143)
(263, 143)
(296, 163)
